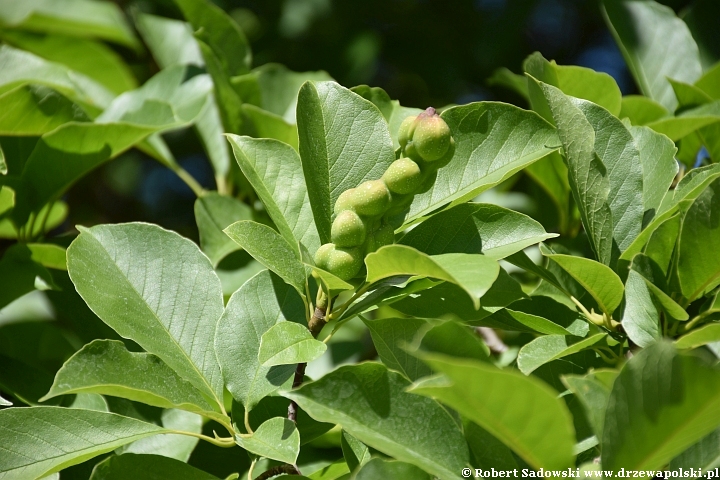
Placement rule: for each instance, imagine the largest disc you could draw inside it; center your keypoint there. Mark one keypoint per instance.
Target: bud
(371, 198)
(348, 230)
(385, 235)
(344, 263)
(406, 130)
(403, 176)
(432, 137)
(345, 201)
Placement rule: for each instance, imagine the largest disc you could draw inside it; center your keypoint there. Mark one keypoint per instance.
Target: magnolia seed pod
(371, 198)
(348, 230)
(428, 181)
(403, 176)
(405, 133)
(345, 201)
(385, 235)
(400, 203)
(344, 263)
(431, 138)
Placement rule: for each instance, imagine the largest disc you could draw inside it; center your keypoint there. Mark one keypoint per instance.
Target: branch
(494, 343)
(279, 470)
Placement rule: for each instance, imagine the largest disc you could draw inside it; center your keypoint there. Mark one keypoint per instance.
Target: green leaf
(661, 246)
(355, 452)
(94, 59)
(447, 298)
(270, 249)
(220, 32)
(688, 121)
(593, 393)
(277, 439)
(689, 95)
(389, 335)
(615, 147)
(657, 157)
(64, 155)
(378, 97)
(580, 82)
(79, 18)
(275, 172)
(213, 214)
(494, 231)
(640, 318)
(692, 184)
(539, 314)
(702, 336)
(551, 174)
(260, 303)
(704, 454)
(328, 112)
(338, 470)
(587, 173)
(452, 339)
(48, 255)
(381, 468)
(20, 274)
(504, 77)
(274, 406)
(288, 343)
(700, 234)
(120, 272)
(332, 284)
(375, 408)
(660, 404)
(656, 45)
(641, 110)
(487, 451)
(708, 83)
(35, 110)
(108, 368)
(18, 67)
(228, 100)
(274, 89)
(522, 412)
(654, 277)
(45, 440)
(270, 126)
(493, 141)
(167, 100)
(600, 281)
(147, 467)
(547, 348)
(473, 273)
(171, 42)
(171, 445)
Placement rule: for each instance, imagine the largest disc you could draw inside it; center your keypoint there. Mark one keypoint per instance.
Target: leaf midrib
(421, 457)
(154, 315)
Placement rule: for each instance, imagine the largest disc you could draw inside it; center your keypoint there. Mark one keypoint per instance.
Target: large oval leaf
(261, 302)
(371, 403)
(155, 287)
(492, 142)
(522, 412)
(38, 441)
(344, 140)
(660, 404)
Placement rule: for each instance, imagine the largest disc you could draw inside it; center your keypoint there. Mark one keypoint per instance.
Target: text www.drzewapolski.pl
(586, 473)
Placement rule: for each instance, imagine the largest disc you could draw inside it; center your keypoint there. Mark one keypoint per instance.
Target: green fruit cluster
(362, 214)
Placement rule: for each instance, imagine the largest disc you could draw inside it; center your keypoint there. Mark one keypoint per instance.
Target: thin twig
(279, 470)
(494, 343)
